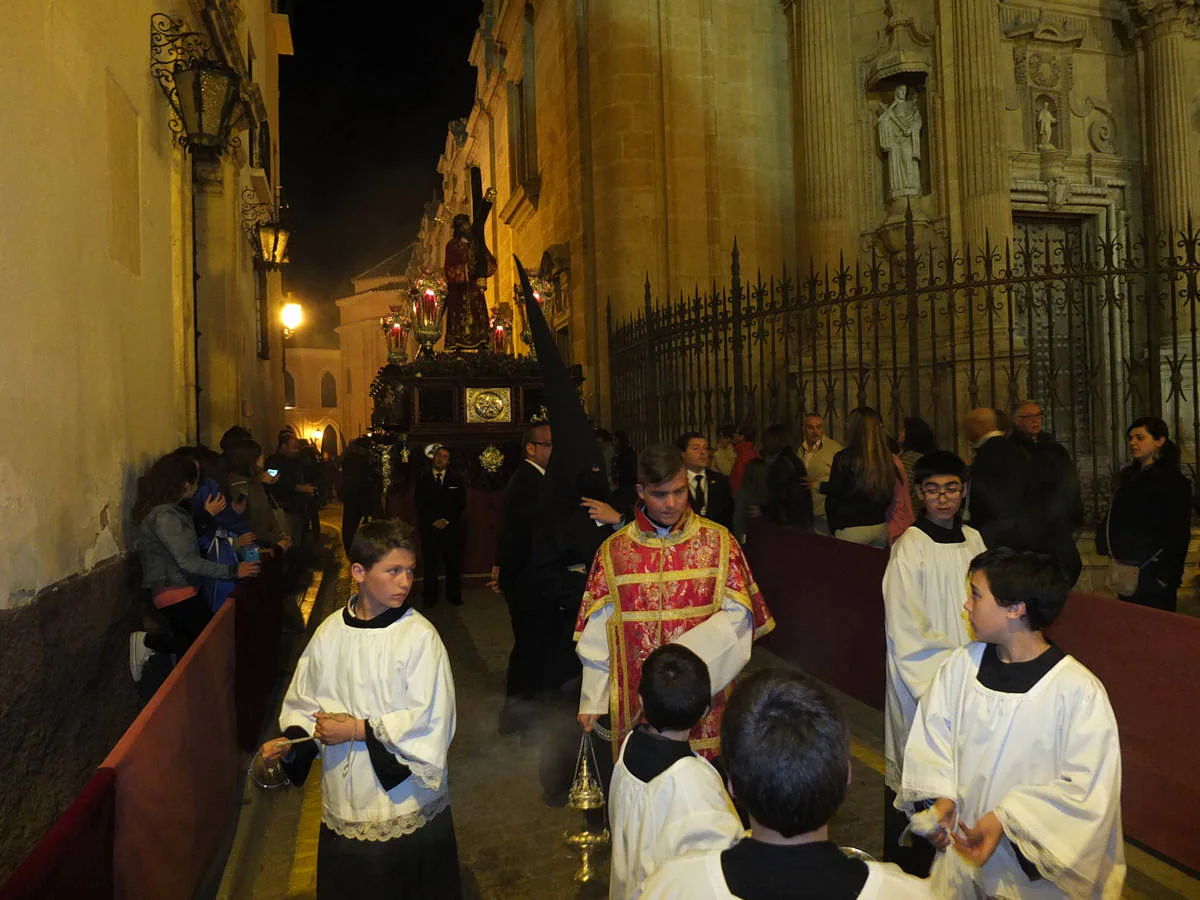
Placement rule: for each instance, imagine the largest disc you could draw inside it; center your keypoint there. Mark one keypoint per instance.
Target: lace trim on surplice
(389, 828)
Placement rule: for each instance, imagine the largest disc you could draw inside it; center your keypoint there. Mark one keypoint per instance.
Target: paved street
(510, 843)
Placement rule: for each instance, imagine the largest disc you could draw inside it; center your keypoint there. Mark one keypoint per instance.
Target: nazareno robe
(379, 793)
(664, 802)
(756, 871)
(691, 586)
(924, 589)
(1043, 756)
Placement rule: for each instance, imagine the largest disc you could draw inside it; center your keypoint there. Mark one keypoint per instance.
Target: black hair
(918, 436)
(243, 457)
(232, 435)
(285, 437)
(939, 462)
(165, 482)
(1168, 454)
(726, 431)
(529, 436)
(375, 540)
(748, 431)
(786, 750)
(675, 688)
(1020, 576)
(686, 438)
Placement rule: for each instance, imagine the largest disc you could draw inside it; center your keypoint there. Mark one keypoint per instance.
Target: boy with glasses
(923, 591)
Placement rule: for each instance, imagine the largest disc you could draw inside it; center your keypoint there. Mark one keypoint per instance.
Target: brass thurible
(586, 794)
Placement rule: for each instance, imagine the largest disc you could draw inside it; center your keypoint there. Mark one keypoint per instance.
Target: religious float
(475, 396)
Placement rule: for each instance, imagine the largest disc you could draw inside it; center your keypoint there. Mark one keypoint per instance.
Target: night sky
(364, 107)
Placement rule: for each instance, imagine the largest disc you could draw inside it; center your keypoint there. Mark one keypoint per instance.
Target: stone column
(825, 163)
(983, 164)
(1169, 162)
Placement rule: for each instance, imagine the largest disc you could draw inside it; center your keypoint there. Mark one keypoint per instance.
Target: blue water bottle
(250, 553)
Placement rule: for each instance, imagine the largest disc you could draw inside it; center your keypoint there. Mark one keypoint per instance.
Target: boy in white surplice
(788, 759)
(1017, 745)
(665, 800)
(923, 592)
(375, 690)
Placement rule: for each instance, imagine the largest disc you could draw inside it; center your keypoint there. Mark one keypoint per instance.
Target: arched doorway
(330, 443)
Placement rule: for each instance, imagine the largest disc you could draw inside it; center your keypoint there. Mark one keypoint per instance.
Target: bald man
(1000, 503)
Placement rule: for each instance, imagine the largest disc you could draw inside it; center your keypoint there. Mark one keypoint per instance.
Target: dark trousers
(1152, 592)
(915, 860)
(441, 553)
(422, 865)
(187, 619)
(352, 516)
(531, 636)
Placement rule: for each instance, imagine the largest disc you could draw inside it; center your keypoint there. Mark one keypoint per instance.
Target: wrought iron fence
(1098, 329)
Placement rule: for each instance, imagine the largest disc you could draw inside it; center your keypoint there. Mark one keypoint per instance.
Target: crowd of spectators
(204, 520)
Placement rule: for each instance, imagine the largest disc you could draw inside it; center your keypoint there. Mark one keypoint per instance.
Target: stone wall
(66, 696)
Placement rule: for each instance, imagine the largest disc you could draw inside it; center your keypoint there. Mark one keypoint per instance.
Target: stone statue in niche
(1046, 121)
(900, 138)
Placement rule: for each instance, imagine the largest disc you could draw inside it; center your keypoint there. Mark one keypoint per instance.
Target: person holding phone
(248, 480)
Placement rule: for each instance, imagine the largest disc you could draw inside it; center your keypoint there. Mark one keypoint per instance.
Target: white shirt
(398, 679)
(1047, 762)
(698, 480)
(987, 437)
(541, 471)
(685, 809)
(699, 877)
(924, 589)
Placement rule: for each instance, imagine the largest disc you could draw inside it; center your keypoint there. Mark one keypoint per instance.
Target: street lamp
(263, 223)
(203, 94)
(292, 316)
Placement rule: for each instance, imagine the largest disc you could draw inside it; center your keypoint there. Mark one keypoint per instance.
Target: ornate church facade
(631, 144)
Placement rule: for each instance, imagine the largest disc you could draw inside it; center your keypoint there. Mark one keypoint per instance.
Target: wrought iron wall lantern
(203, 92)
(263, 224)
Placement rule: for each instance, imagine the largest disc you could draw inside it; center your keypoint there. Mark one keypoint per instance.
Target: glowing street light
(293, 318)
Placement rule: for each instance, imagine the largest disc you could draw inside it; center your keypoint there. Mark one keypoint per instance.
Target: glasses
(1037, 415)
(933, 492)
(542, 443)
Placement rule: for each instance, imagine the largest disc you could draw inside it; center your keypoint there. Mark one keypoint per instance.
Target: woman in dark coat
(1149, 519)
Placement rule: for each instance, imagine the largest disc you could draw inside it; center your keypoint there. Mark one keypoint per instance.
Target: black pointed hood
(577, 467)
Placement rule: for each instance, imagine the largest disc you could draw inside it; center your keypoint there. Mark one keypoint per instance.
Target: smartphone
(250, 553)
(274, 473)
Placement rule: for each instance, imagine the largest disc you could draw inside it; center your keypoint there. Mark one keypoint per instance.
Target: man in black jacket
(1000, 479)
(708, 489)
(441, 500)
(513, 576)
(1055, 500)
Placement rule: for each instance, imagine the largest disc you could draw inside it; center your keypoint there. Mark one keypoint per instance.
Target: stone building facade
(312, 396)
(635, 141)
(100, 371)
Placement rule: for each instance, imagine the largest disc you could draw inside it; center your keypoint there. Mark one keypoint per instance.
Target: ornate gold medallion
(493, 405)
(491, 459)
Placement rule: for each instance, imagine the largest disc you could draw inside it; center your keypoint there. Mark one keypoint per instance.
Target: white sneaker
(139, 654)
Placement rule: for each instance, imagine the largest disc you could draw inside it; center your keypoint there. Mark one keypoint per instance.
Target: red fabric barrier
(827, 599)
(177, 773)
(74, 858)
(484, 512)
(1146, 659)
(258, 626)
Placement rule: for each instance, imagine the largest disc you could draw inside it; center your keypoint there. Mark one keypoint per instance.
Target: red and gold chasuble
(659, 588)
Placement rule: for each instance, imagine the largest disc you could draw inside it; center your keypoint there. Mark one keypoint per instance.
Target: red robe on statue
(466, 308)
(645, 591)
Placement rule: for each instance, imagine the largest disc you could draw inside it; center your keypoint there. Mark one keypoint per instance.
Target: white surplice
(685, 809)
(700, 877)
(924, 589)
(398, 679)
(723, 641)
(1047, 762)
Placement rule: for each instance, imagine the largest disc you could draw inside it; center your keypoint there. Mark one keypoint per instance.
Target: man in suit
(1001, 481)
(513, 576)
(441, 501)
(709, 490)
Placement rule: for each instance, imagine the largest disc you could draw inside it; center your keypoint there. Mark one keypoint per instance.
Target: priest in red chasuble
(670, 576)
(468, 265)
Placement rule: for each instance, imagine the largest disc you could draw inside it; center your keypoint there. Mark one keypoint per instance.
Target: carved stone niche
(1044, 68)
(900, 70)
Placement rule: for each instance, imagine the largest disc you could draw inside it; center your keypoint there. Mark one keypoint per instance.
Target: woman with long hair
(169, 550)
(244, 463)
(862, 482)
(1149, 519)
